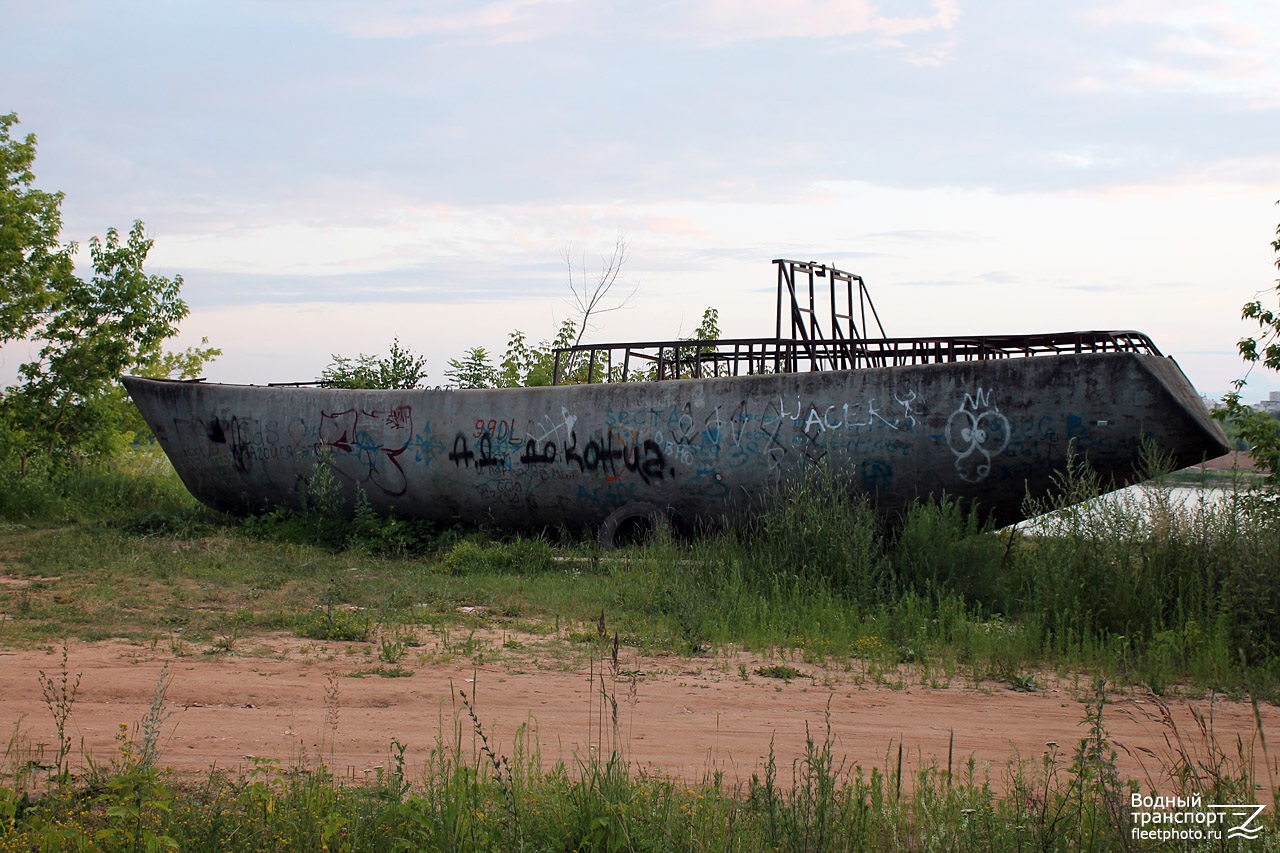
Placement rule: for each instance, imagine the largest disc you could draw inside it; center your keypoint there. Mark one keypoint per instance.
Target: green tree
(1260, 431)
(525, 366)
(400, 368)
(518, 361)
(683, 360)
(708, 330)
(474, 370)
(68, 404)
(33, 264)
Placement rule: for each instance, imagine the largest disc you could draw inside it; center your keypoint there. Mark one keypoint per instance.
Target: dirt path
(289, 700)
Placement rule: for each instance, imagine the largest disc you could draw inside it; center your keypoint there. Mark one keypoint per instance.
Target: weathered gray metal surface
(571, 455)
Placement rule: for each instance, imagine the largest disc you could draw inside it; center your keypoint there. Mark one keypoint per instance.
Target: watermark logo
(1244, 816)
(1191, 819)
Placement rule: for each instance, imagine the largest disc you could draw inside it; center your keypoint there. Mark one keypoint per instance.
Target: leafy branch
(1258, 429)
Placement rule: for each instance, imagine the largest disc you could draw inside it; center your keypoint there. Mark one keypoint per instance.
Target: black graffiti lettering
(609, 456)
(239, 447)
(591, 455)
(461, 454)
(597, 457)
(645, 460)
(571, 452)
(654, 461)
(215, 432)
(632, 460)
(650, 467)
(531, 455)
(594, 456)
(486, 459)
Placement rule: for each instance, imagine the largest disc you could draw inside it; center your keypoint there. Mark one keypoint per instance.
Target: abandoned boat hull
(701, 450)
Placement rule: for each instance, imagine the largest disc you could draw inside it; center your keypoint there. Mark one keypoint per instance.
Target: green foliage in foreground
(68, 405)
(136, 486)
(471, 795)
(399, 368)
(1259, 431)
(1145, 589)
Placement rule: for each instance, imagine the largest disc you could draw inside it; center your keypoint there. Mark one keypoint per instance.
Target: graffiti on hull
(560, 457)
(365, 447)
(976, 432)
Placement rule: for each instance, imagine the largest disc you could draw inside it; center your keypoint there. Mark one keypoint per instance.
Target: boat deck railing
(649, 361)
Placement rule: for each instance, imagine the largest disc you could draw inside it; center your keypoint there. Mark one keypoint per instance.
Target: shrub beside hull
(569, 456)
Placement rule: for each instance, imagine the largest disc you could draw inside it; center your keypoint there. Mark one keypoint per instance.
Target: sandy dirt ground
(289, 700)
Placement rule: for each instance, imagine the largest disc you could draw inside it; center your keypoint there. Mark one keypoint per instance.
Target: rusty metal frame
(806, 305)
(662, 360)
(802, 344)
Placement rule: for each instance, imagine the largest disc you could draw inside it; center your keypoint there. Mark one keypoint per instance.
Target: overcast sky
(328, 175)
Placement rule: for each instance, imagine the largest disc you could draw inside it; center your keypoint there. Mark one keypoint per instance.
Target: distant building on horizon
(1271, 405)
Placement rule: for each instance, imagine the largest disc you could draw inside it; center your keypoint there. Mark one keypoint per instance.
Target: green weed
(1146, 588)
(782, 671)
(59, 694)
(333, 623)
(474, 794)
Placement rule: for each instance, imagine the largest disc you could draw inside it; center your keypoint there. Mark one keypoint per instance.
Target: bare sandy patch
(290, 700)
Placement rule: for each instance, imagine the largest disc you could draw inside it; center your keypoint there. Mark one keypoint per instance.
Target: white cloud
(1084, 158)
(371, 153)
(502, 21)
(1203, 46)
(727, 21)
(1175, 263)
(715, 22)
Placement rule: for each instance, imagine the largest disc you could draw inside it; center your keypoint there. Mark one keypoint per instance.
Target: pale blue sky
(327, 175)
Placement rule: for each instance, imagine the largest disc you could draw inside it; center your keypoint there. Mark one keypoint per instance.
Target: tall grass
(472, 793)
(138, 482)
(1142, 587)
(1171, 586)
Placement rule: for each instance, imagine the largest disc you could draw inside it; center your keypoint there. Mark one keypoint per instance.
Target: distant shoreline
(1237, 466)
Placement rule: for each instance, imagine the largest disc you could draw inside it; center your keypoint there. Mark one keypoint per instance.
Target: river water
(1142, 500)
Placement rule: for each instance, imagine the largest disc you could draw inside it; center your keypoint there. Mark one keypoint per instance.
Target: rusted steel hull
(702, 450)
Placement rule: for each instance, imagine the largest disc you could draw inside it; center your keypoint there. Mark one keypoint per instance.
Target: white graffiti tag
(976, 431)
